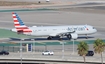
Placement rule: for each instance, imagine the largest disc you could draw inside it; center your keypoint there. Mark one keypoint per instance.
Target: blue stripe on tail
(19, 20)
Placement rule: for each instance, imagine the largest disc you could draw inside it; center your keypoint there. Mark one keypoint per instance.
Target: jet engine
(72, 36)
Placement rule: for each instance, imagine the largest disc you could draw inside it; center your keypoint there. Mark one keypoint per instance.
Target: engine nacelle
(74, 36)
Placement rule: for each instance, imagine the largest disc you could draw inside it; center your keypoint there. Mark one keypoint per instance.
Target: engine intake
(72, 36)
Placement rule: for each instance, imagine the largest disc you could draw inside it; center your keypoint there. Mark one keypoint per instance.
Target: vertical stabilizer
(19, 25)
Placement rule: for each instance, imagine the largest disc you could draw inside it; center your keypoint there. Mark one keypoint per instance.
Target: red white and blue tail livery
(70, 31)
(19, 25)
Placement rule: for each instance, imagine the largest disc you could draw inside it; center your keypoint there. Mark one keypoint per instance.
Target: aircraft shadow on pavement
(38, 39)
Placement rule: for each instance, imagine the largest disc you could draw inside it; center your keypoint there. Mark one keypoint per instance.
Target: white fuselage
(54, 30)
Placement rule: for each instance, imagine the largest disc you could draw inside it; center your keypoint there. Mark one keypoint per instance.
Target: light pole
(73, 46)
(33, 45)
(62, 42)
(62, 50)
(21, 50)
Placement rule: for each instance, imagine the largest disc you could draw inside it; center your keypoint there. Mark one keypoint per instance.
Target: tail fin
(19, 25)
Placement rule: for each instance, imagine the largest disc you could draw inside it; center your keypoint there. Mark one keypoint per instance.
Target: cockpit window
(93, 28)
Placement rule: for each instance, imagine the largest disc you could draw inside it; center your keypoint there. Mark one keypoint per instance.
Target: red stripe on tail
(19, 25)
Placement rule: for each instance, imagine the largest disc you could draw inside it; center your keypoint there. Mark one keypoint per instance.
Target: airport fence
(12, 48)
(24, 49)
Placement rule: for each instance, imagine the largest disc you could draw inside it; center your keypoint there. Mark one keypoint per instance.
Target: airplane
(69, 31)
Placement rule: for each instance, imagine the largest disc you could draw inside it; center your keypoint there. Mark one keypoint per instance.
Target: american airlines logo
(70, 29)
(76, 28)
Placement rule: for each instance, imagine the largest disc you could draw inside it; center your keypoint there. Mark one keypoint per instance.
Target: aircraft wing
(61, 33)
